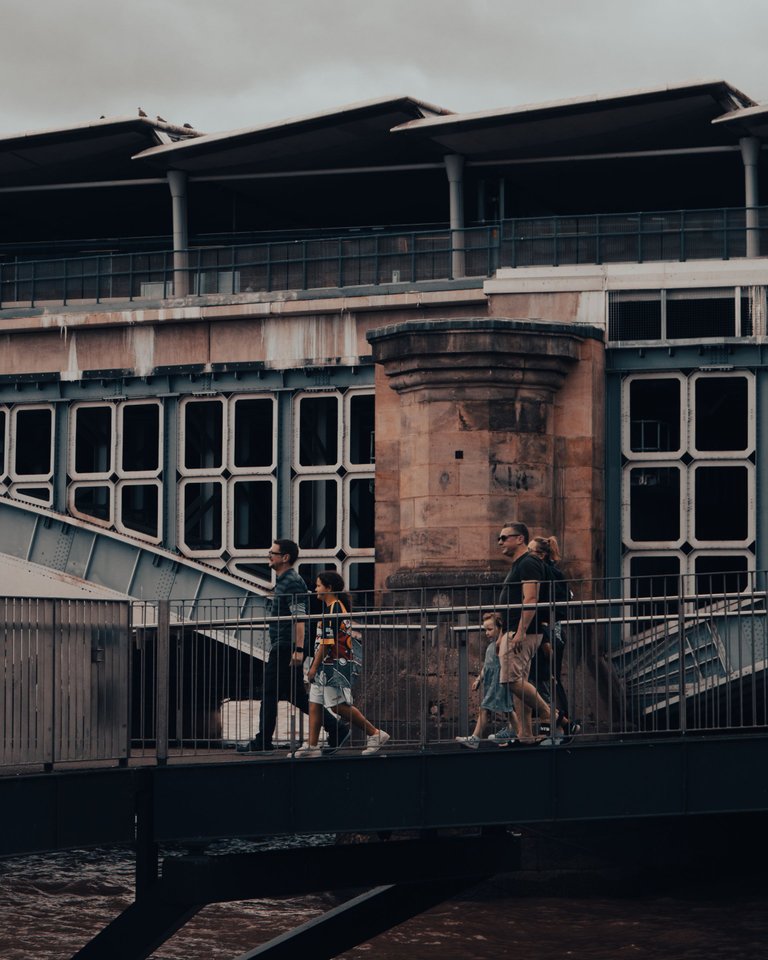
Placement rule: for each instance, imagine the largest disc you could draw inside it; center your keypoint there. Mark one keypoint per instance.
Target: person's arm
(530, 596)
(297, 657)
(316, 661)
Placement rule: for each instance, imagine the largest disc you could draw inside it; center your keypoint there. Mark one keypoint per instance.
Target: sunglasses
(508, 536)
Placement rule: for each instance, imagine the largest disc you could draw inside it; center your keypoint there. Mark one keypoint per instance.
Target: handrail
(377, 258)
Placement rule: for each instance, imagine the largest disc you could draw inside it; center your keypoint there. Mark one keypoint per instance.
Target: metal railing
(382, 259)
(89, 681)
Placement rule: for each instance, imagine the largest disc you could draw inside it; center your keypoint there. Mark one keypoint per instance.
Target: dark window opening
(34, 430)
(361, 512)
(203, 432)
(654, 411)
(655, 503)
(94, 501)
(317, 515)
(141, 437)
(93, 439)
(253, 515)
(635, 319)
(260, 571)
(36, 493)
(139, 506)
(720, 573)
(253, 433)
(722, 413)
(655, 581)
(361, 429)
(721, 504)
(202, 516)
(318, 431)
(692, 317)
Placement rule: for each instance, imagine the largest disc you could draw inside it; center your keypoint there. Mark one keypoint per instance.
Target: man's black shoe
(337, 738)
(256, 745)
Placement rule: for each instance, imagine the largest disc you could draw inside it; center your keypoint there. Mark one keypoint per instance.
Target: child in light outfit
(497, 697)
(330, 682)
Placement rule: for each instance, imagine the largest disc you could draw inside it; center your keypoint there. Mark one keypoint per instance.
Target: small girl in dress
(497, 697)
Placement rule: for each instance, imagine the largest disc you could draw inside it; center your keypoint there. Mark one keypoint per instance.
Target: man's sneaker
(307, 751)
(503, 738)
(471, 741)
(256, 745)
(375, 742)
(338, 736)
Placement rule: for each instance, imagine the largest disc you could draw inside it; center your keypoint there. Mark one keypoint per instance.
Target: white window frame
(306, 552)
(721, 464)
(73, 416)
(230, 458)
(118, 508)
(340, 451)
(626, 507)
(347, 425)
(732, 455)
(626, 422)
(346, 525)
(88, 517)
(185, 471)
(30, 479)
(120, 433)
(230, 512)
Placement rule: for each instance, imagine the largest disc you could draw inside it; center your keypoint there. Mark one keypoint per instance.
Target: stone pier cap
(467, 354)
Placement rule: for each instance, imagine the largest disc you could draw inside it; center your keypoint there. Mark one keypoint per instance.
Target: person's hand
(517, 646)
(476, 683)
(297, 658)
(312, 672)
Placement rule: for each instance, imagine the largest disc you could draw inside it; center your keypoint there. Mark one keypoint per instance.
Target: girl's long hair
(335, 583)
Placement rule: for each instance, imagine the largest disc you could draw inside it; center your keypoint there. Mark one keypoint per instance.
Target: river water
(50, 905)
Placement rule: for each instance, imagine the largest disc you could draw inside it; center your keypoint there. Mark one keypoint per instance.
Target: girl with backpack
(330, 673)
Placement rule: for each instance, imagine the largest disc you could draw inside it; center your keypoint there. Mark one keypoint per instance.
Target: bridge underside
(632, 799)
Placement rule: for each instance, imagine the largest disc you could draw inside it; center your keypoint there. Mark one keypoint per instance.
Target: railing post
(683, 720)
(162, 679)
(463, 668)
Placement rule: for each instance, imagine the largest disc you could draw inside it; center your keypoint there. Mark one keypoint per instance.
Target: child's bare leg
(483, 718)
(353, 715)
(315, 721)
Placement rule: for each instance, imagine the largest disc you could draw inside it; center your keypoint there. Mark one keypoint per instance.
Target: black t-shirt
(526, 567)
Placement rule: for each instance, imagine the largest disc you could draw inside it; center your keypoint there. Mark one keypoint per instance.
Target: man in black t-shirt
(521, 637)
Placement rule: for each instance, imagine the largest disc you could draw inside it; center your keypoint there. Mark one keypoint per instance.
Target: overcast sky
(223, 64)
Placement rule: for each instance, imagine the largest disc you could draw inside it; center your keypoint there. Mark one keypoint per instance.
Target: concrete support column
(475, 444)
(750, 154)
(177, 181)
(454, 167)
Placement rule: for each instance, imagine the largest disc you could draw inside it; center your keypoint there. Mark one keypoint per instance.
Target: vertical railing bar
(162, 681)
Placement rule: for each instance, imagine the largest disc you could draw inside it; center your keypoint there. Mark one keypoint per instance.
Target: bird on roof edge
(141, 113)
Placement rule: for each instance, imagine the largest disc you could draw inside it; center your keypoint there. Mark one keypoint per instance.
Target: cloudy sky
(223, 64)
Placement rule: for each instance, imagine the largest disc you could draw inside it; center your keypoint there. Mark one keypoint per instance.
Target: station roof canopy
(401, 130)
(97, 150)
(353, 134)
(388, 133)
(677, 116)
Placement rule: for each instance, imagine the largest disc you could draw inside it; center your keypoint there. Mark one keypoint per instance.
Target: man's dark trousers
(282, 681)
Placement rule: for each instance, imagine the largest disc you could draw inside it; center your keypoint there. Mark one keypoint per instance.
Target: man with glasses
(283, 675)
(520, 639)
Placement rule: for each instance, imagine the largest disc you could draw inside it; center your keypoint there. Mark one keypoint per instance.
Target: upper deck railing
(372, 258)
(89, 681)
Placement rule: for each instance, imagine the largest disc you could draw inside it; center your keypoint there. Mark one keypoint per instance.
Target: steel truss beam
(408, 876)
